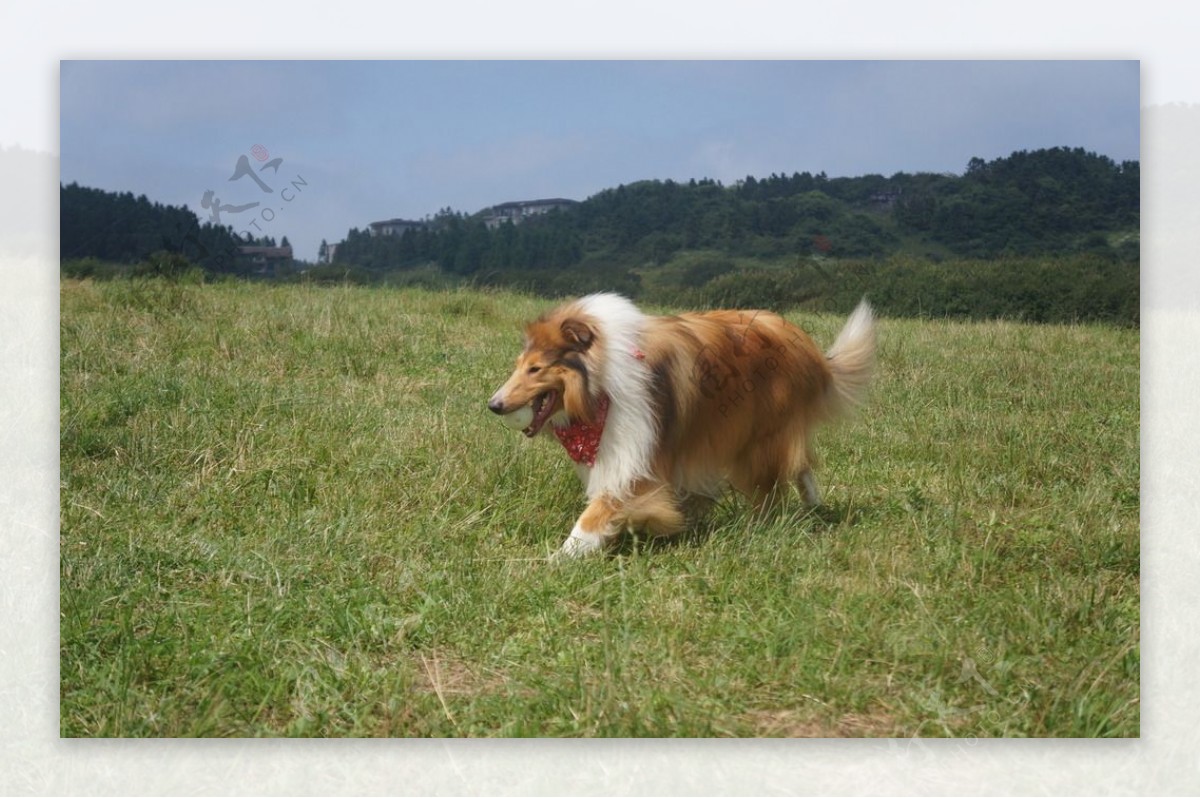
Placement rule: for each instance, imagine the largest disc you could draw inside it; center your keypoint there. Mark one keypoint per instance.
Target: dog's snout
(496, 404)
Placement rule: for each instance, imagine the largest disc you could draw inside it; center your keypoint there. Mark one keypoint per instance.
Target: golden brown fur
(739, 394)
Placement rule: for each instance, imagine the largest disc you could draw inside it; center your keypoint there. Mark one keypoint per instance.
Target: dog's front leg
(594, 530)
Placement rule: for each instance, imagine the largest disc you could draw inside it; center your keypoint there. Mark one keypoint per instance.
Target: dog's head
(553, 373)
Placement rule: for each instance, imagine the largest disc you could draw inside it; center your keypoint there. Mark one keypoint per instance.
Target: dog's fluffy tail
(852, 360)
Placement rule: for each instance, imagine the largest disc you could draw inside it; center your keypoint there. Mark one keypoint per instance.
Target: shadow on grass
(734, 517)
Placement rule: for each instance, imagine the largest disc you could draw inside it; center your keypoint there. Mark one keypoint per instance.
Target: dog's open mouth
(543, 408)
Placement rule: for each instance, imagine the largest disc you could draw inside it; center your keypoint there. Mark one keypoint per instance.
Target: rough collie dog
(658, 411)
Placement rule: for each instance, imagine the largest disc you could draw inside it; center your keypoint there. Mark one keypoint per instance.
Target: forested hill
(1056, 201)
(121, 228)
(1048, 235)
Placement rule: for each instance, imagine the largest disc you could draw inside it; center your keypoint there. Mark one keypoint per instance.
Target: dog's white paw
(579, 544)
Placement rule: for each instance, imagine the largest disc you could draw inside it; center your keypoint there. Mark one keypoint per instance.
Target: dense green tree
(1052, 201)
(655, 235)
(119, 227)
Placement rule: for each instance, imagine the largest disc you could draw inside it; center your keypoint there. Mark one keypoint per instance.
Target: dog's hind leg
(808, 487)
(802, 463)
(764, 475)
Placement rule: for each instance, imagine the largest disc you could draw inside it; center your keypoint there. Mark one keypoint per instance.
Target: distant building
(329, 254)
(517, 212)
(884, 199)
(265, 260)
(395, 227)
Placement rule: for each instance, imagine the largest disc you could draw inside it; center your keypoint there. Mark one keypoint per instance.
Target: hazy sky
(364, 141)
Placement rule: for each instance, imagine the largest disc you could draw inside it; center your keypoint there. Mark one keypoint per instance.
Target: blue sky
(366, 140)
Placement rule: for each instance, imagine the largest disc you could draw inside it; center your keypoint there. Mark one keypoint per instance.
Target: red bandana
(582, 440)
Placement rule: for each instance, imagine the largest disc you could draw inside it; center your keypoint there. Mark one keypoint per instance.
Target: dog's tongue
(545, 406)
(582, 440)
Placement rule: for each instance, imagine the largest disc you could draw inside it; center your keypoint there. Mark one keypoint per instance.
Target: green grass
(286, 511)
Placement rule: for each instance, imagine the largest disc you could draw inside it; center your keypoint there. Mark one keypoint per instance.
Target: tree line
(117, 232)
(1055, 201)
(1047, 235)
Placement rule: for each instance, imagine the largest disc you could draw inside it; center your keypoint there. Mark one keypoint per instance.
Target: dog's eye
(534, 369)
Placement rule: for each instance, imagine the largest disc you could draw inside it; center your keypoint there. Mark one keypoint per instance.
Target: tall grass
(286, 511)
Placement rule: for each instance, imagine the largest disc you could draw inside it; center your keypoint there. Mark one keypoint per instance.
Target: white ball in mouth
(520, 418)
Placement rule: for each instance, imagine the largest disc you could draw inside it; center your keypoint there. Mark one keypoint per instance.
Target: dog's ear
(578, 335)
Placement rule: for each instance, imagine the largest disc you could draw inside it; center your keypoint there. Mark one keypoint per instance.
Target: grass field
(286, 511)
